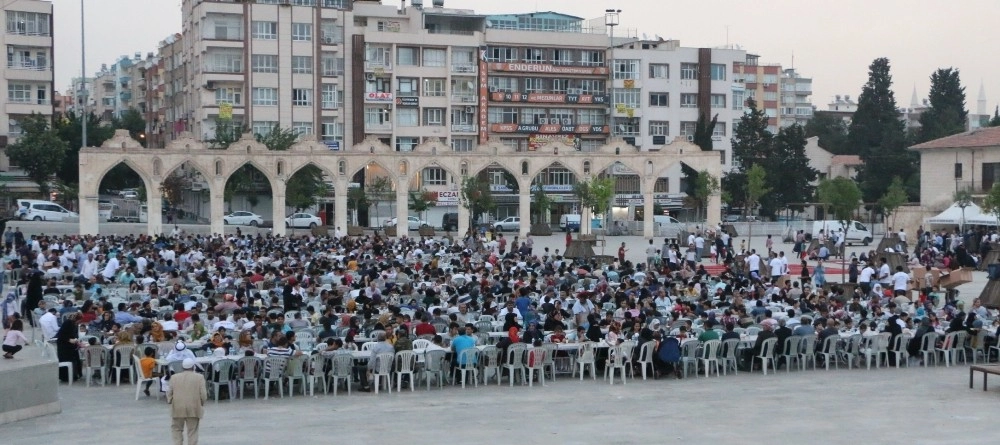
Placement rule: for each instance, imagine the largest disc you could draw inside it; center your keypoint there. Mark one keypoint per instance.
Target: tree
(840, 195)
(752, 146)
(241, 181)
(378, 189)
(991, 204)
(756, 189)
(356, 199)
(832, 133)
(476, 197)
(947, 114)
(963, 199)
(893, 199)
(173, 187)
(39, 151)
(304, 187)
(68, 127)
(132, 121)
(705, 185)
(995, 122)
(789, 174)
(703, 131)
(878, 134)
(421, 201)
(540, 204)
(595, 195)
(277, 138)
(226, 133)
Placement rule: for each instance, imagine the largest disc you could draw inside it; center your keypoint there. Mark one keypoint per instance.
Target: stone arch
(131, 163)
(229, 169)
(371, 161)
(417, 168)
(532, 174)
(157, 167)
(292, 171)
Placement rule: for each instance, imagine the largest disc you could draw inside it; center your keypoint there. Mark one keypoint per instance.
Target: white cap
(188, 363)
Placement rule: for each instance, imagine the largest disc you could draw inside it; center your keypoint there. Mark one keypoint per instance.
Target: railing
(378, 127)
(463, 98)
(371, 66)
(463, 68)
(464, 128)
(30, 65)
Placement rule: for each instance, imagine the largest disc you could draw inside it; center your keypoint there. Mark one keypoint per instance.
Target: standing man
(650, 255)
(621, 253)
(186, 397)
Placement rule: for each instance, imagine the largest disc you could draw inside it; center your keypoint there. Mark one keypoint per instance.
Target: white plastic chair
(343, 365)
(295, 371)
(585, 359)
(830, 350)
(95, 359)
(535, 361)
(383, 370)
(767, 355)
(927, 348)
(514, 362)
(222, 375)
(141, 379)
(406, 361)
(646, 357)
(123, 356)
(274, 372)
(315, 372)
(689, 356)
(616, 363)
(710, 357)
(434, 365)
(248, 372)
(791, 351)
(468, 362)
(489, 359)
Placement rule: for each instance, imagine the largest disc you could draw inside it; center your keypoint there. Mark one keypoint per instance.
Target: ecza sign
(447, 198)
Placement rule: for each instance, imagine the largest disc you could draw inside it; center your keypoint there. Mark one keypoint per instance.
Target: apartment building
(783, 94)
(264, 63)
(28, 75)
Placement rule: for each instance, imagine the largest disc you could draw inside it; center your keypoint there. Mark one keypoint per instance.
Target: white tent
(984, 219)
(952, 216)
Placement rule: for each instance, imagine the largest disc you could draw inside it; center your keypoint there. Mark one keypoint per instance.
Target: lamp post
(611, 21)
(83, 82)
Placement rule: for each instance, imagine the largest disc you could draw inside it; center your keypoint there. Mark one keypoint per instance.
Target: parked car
(412, 223)
(302, 220)
(44, 211)
(510, 223)
(242, 218)
(129, 194)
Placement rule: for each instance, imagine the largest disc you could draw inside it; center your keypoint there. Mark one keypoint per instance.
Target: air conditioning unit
(574, 91)
(567, 121)
(493, 89)
(210, 85)
(543, 121)
(370, 77)
(690, 138)
(470, 109)
(328, 40)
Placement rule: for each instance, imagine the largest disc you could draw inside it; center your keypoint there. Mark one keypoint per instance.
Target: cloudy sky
(832, 42)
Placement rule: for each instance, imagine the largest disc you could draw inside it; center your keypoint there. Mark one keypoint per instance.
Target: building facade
(27, 76)
(782, 94)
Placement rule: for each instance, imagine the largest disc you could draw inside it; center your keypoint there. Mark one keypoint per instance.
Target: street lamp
(611, 21)
(83, 82)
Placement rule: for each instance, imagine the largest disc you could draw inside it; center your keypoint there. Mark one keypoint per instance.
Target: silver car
(510, 223)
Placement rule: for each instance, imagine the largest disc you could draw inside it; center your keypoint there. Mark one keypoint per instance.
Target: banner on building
(226, 111)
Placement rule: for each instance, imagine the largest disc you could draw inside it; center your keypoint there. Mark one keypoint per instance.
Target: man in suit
(186, 397)
(766, 332)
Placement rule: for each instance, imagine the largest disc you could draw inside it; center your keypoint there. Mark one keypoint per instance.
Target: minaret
(981, 115)
(914, 103)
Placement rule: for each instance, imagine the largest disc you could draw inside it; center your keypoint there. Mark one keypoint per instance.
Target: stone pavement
(886, 406)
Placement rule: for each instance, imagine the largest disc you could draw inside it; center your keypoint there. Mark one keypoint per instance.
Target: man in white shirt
(884, 277)
(900, 280)
(50, 324)
(89, 267)
(753, 264)
(776, 268)
(699, 245)
(865, 279)
(111, 268)
(509, 309)
(582, 309)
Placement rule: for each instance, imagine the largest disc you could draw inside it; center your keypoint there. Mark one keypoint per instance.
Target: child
(148, 364)
(14, 339)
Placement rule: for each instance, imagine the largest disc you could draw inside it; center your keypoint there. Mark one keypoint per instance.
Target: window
(770, 79)
(332, 98)
(504, 84)
(406, 143)
(718, 100)
(302, 31)
(28, 23)
(659, 128)
(562, 116)
(302, 96)
(435, 57)
(332, 130)
(263, 127)
(688, 128)
(434, 176)
(627, 96)
(331, 32)
(302, 128)
(770, 95)
(718, 71)
(689, 100)
(332, 65)
(434, 116)
(302, 64)
(592, 58)
(264, 63)
(502, 115)
(562, 56)
(560, 85)
(722, 157)
(462, 144)
(532, 116)
(229, 95)
(592, 86)
(559, 176)
(407, 117)
(265, 96)
(434, 87)
(225, 61)
(659, 99)
(719, 130)
(501, 54)
(408, 86)
(592, 117)
(627, 126)
(659, 71)
(407, 56)
(626, 69)
(738, 100)
(376, 116)
(463, 57)
(461, 120)
(41, 96)
(689, 71)
(223, 27)
(534, 85)
(19, 93)
(534, 55)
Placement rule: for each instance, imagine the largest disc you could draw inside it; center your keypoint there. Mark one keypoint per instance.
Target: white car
(242, 218)
(412, 223)
(130, 194)
(512, 223)
(302, 220)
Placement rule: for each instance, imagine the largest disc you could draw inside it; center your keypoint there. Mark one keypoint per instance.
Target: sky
(832, 42)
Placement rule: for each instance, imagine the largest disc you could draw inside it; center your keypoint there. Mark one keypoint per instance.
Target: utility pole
(83, 82)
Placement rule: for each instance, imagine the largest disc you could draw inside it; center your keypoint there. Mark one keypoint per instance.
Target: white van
(571, 221)
(45, 211)
(664, 225)
(856, 232)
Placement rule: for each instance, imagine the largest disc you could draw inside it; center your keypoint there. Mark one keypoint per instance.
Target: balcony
(378, 128)
(463, 68)
(465, 98)
(375, 66)
(464, 128)
(28, 64)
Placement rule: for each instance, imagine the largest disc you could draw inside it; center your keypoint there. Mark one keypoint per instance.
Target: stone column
(278, 206)
(585, 220)
(463, 221)
(217, 205)
(340, 205)
(154, 208)
(524, 208)
(89, 213)
(402, 208)
(648, 228)
(714, 211)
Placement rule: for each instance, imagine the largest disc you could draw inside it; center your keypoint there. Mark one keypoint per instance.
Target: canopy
(952, 216)
(985, 219)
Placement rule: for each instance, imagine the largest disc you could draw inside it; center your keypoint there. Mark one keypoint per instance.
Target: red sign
(554, 98)
(548, 69)
(484, 90)
(550, 129)
(378, 97)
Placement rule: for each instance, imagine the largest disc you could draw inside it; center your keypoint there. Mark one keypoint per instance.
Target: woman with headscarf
(34, 294)
(67, 349)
